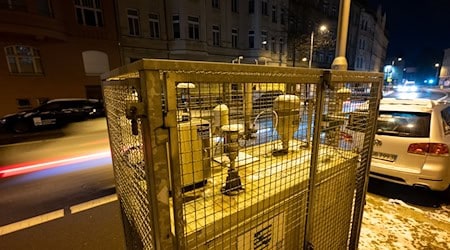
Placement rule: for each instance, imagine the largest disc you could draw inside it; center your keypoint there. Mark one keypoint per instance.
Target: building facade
(58, 49)
(368, 39)
(54, 49)
(214, 30)
(444, 73)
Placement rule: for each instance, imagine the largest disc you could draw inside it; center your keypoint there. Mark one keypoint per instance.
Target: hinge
(135, 111)
(326, 79)
(309, 246)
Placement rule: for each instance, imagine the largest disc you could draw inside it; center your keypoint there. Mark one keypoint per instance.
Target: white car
(411, 145)
(408, 86)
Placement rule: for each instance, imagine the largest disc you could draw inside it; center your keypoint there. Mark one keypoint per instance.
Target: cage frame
(159, 127)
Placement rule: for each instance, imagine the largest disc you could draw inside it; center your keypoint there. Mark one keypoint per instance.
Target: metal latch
(134, 112)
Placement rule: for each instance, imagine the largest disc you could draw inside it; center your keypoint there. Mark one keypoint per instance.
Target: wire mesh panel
(128, 162)
(259, 157)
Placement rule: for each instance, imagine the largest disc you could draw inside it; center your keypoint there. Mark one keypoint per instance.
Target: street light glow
(436, 65)
(400, 59)
(322, 28)
(304, 59)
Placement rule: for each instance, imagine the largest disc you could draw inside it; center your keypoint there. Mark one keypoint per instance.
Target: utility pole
(340, 61)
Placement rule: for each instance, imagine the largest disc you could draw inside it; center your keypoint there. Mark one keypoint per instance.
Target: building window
(216, 35)
(14, 4)
(23, 60)
(234, 5)
(89, 13)
(251, 39)
(321, 57)
(44, 8)
(234, 38)
(330, 58)
(264, 42)
(274, 14)
(154, 25)
(264, 8)
(216, 4)
(274, 45)
(194, 28)
(133, 22)
(334, 10)
(23, 103)
(95, 62)
(251, 6)
(281, 46)
(283, 17)
(176, 26)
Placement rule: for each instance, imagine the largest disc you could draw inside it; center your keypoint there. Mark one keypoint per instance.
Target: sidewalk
(393, 224)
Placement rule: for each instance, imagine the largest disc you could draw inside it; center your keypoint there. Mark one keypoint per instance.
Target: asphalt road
(44, 175)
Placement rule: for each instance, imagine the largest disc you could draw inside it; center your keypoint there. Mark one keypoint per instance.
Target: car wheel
(21, 127)
(446, 194)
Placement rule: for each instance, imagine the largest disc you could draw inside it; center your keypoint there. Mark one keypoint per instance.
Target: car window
(404, 124)
(50, 106)
(445, 113)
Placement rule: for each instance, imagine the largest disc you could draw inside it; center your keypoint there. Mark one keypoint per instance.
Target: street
(49, 174)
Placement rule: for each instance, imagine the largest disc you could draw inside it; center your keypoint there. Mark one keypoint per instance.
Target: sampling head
(286, 118)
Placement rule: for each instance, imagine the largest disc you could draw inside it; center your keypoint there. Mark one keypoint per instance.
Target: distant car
(264, 99)
(411, 145)
(408, 86)
(53, 113)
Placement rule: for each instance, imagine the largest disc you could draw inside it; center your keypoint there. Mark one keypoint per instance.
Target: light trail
(29, 167)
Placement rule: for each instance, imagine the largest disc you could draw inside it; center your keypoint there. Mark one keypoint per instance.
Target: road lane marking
(16, 226)
(43, 218)
(92, 203)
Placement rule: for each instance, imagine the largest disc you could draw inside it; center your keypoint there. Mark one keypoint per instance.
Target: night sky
(418, 30)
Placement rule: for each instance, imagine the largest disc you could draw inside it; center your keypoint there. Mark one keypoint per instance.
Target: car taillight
(428, 148)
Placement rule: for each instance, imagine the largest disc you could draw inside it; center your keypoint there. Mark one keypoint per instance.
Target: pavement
(401, 217)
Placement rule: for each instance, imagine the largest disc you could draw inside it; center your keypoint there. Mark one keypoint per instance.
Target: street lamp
(437, 65)
(322, 28)
(398, 59)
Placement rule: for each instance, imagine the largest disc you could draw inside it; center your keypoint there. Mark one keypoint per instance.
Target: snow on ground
(393, 224)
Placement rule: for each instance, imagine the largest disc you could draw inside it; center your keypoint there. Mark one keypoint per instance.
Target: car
(264, 99)
(408, 86)
(411, 144)
(54, 113)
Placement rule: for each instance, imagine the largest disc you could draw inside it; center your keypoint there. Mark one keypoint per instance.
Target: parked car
(411, 145)
(264, 99)
(408, 86)
(53, 113)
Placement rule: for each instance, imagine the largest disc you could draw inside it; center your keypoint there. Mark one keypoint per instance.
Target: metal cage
(232, 156)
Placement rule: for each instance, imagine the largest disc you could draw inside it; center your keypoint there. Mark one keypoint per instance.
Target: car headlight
(3, 121)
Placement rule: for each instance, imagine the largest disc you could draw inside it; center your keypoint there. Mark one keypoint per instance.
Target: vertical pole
(320, 96)
(311, 49)
(340, 62)
(155, 156)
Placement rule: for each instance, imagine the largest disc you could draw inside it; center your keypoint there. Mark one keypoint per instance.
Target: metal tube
(340, 62)
(315, 157)
(311, 49)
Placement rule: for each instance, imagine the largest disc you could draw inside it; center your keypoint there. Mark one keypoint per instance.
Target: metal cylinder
(220, 113)
(287, 118)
